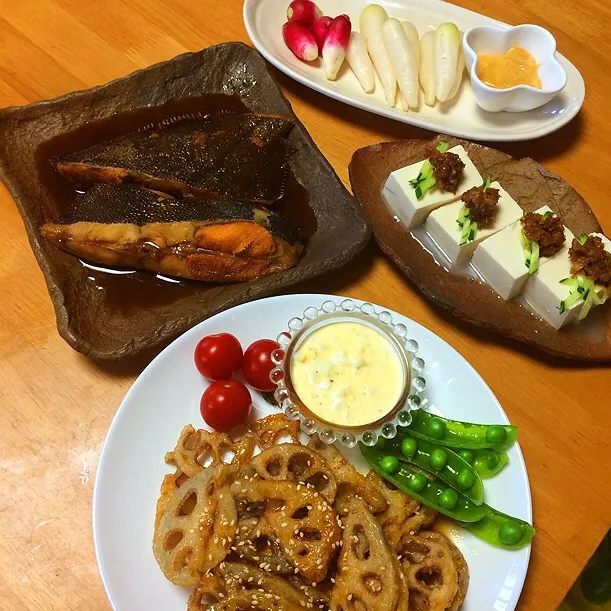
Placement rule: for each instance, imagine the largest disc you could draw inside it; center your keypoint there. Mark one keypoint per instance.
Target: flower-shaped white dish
(328, 421)
(496, 40)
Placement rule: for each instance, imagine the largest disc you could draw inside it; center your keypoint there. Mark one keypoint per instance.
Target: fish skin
(208, 240)
(236, 156)
(110, 204)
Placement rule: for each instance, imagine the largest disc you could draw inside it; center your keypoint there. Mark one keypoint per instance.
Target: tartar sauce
(347, 373)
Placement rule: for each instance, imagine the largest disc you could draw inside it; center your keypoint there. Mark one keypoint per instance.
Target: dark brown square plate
(531, 185)
(111, 317)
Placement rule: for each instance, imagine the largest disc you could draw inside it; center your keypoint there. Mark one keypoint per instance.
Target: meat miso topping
(545, 229)
(448, 169)
(591, 260)
(482, 204)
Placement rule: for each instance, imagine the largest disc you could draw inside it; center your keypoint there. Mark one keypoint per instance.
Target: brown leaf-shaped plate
(532, 186)
(110, 316)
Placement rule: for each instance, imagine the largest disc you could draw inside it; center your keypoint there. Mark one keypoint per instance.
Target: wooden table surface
(56, 405)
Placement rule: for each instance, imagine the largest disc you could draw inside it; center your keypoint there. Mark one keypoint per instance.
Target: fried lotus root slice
(460, 564)
(296, 463)
(238, 576)
(367, 579)
(432, 578)
(223, 527)
(194, 447)
(304, 523)
(256, 544)
(252, 600)
(210, 589)
(270, 430)
(403, 514)
(183, 542)
(347, 476)
(171, 483)
(320, 595)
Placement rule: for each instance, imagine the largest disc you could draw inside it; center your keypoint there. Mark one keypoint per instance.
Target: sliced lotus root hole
(415, 552)
(273, 467)
(208, 599)
(309, 534)
(183, 559)
(247, 509)
(173, 539)
(276, 504)
(181, 479)
(299, 464)
(430, 577)
(372, 582)
(301, 513)
(360, 545)
(261, 543)
(319, 481)
(221, 454)
(188, 505)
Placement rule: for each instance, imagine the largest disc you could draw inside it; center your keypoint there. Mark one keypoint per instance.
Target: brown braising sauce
(129, 290)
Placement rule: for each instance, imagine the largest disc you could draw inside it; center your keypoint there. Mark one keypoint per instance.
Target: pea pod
(489, 462)
(447, 465)
(438, 496)
(501, 530)
(456, 434)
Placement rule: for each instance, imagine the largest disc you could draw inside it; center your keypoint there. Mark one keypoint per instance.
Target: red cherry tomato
(225, 405)
(258, 364)
(218, 357)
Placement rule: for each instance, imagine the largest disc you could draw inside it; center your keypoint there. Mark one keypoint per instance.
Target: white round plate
(166, 397)
(460, 117)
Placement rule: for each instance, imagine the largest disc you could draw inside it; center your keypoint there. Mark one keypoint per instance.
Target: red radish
(303, 12)
(335, 45)
(320, 28)
(300, 41)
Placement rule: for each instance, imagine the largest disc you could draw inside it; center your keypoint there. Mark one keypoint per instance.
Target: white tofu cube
(442, 225)
(500, 259)
(544, 290)
(400, 196)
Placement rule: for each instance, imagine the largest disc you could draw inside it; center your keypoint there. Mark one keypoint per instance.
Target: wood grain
(55, 405)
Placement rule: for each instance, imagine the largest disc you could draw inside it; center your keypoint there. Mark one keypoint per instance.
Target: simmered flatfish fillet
(234, 156)
(201, 239)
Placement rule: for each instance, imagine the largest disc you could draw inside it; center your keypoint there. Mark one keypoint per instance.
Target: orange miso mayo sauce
(347, 373)
(516, 67)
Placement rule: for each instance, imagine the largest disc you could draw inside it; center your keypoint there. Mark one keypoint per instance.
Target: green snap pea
(438, 459)
(448, 498)
(424, 490)
(389, 464)
(501, 530)
(418, 482)
(436, 428)
(465, 479)
(489, 462)
(442, 462)
(467, 455)
(408, 447)
(464, 435)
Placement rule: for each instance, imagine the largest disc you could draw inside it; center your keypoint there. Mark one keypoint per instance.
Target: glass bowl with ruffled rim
(413, 394)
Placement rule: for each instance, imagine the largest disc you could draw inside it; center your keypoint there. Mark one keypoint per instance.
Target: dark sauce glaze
(130, 290)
